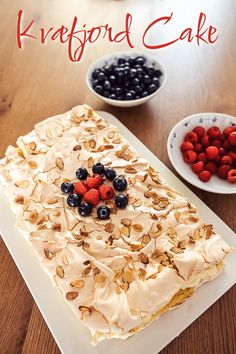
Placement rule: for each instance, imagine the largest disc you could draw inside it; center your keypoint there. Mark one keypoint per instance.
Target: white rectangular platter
(72, 336)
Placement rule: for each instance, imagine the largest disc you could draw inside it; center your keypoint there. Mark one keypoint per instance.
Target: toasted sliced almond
(125, 231)
(48, 253)
(78, 283)
(146, 239)
(111, 135)
(143, 258)
(60, 271)
(137, 227)
(32, 216)
(116, 141)
(130, 169)
(126, 222)
(56, 227)
(147, 194)
(193, 219)
(32, 145)
(92, 143)
(127, 276)
(22, 184)
(72, 295)
(118, 289)
(19, 199)
(76, 148)
(90, 162)
(86, 271)
(109, 227)
(177, 215)
(59, 163)
(96, 271)
(52, 200)
(100, 279)
(137, 203)
(85, 310)
(65, 259)
(32, 164)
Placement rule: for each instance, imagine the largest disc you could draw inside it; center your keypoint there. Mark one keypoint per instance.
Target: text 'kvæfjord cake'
(120, 273)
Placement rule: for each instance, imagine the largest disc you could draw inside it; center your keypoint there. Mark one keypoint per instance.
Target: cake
(119, 274)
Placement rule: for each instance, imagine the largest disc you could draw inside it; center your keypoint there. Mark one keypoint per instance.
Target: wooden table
(40, 81)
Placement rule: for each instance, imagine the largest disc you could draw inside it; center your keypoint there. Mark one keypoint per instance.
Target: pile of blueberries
(126, 79)
(84, 208)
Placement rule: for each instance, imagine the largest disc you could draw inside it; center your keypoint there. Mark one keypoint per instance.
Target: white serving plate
(175, 139)
(70, 334)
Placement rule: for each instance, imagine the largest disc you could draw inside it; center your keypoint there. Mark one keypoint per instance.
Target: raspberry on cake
(124, 261)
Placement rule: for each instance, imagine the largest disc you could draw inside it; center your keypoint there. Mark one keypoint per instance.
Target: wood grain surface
(40, 81)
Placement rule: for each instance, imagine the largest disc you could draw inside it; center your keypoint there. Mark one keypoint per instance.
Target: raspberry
(190, 156)
(198, 167)
(226, 145)
(205, 140)
(212, 152)
(198, 147)
(202, 156)
(226, 160)
(229, 130)
(222, 151)
(80, 187)
(210, 166)
(222, 137)
(186, 145)
(200, 131)
(204, 176)
(231, 176)
(217, 143)
(94, 182)
(192, 137)
(214, 132)
(232, 138)
(222, 171)
(106, 192)
(232, 155)
(92, 196)
(217, 159)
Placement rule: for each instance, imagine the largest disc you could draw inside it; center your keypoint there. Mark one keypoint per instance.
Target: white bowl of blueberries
(126, 79)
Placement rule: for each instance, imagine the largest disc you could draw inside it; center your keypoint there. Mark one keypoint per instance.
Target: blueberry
(158, 72)
(98, 89)
(137, 97)
(152, 88)
(120, 183)
(121, 201)
(95, 73)
(118, 90)
(85, 209)
(107, 70)
(106, 94)
(150, 70)
(103, 212)
(112, 79)
(110, 173)
(98, 168)
(155, 81)
(67, 187)
(126, 83)
(95, 83)
(147, 80)
(81, 173)
(126, 70)
(106, 85)
(131, 61)
(121, 61)
(132, 73)
(135, 81)
(138, 89)
(144, 94)
(128, 96)
(101, 77)
(74, 200)
(140, 60)
(112, 96)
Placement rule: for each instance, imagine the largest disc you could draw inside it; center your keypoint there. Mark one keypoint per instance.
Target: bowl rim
(123, 53)
(174, 164)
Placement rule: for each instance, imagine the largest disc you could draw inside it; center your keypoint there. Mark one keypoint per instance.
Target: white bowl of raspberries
(202, 149)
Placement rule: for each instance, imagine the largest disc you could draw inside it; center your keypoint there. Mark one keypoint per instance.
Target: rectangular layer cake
(119, 274)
